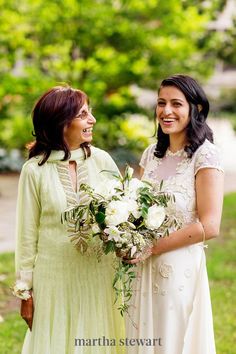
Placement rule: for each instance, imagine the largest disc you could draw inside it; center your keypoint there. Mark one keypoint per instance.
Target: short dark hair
(197, 130)
(53, 111)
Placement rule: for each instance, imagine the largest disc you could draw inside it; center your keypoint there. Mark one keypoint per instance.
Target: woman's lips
(168, 121)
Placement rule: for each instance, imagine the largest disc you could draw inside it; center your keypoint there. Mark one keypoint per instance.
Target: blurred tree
(101, 47)
(227, 50)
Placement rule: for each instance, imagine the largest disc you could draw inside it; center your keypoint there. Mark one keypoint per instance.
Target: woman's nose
(167, 109)
(91, 118)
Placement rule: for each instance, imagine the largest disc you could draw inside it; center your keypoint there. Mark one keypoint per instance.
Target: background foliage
(103, 47)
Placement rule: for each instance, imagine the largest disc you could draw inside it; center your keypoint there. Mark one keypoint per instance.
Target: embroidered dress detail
(81, 237)
(82, 177)
(165, 270)
(175, 281)
(64, 176)
(179, 153)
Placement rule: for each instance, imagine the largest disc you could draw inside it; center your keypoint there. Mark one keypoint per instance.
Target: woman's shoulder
(207, 149)
(100, 155)
(150, 149)
(96, 152)
(207, 155)
(102, 159)
(147, 155)
(31, 166)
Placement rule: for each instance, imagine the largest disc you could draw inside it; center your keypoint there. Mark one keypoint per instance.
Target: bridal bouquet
(127, 215)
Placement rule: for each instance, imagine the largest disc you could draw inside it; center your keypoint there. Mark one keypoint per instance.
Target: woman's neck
(177, 143)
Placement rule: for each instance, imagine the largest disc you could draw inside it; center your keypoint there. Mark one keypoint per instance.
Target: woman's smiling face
(80, 129)
(172, 111)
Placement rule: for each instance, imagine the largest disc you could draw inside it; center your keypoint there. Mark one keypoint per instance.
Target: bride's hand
(146, 254)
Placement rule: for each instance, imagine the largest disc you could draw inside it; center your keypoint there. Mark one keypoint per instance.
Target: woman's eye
(82, 115)
(161, 104)
(177, 104)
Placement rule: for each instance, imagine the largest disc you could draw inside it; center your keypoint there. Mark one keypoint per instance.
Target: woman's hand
(146, 254)
(27, 311)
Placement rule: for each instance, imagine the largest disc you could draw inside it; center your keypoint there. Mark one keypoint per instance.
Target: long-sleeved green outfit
(73, 295)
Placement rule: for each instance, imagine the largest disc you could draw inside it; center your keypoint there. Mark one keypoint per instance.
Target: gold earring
(199, 107)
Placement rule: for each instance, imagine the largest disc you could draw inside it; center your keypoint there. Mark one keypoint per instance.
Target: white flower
(117, 212)
(108, 187)
(114, 233)
(156, 216)
(132, 188)
(130, 172)
(134, 208)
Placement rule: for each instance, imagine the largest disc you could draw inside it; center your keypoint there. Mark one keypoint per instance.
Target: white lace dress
(171, 302)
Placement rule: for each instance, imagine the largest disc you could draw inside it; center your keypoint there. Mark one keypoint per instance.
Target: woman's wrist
(22, 290)
(154, 250)
(157, 248)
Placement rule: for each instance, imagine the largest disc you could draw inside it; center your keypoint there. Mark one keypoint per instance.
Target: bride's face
(172, 110)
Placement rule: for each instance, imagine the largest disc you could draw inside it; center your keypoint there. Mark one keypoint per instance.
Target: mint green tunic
(73, 295)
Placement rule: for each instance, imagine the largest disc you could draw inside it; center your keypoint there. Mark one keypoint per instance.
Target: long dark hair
(197, 130)
(54, 110)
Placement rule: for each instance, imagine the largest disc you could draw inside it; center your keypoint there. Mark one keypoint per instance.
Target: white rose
(108, 187)
(156, 216)
(116, 212)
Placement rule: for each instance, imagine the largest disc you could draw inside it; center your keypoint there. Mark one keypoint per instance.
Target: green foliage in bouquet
(127, 215)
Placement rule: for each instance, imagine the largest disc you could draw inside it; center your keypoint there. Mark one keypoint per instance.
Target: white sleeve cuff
(26, 277)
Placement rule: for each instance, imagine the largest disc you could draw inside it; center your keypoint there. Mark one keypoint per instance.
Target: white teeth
(168, 120)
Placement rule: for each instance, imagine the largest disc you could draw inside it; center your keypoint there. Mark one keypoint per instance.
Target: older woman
(67, 298)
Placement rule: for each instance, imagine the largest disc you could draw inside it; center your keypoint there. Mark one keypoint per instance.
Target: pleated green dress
(73, 296)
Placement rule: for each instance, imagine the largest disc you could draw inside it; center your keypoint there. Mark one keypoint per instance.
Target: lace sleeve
(146, 156)
(208, 156)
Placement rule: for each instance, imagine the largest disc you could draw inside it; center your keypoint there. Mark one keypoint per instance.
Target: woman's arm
(28, 215)
(209, 199)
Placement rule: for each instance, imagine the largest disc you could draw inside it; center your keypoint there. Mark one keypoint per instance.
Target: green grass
(13, 328)
(12, 332)
(221, 263)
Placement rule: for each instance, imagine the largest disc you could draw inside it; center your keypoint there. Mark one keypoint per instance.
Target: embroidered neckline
(79, 238)
(178, 153)
(64, 176)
